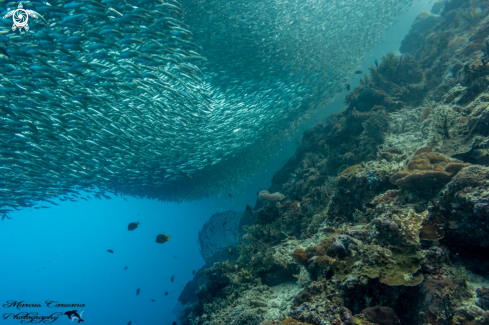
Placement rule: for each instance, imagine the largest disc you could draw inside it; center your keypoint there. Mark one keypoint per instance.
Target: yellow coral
(410, 225)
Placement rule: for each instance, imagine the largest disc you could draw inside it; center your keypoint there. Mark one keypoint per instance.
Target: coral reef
(381, 215)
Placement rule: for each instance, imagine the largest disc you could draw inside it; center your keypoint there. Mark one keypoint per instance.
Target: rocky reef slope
(383, 215)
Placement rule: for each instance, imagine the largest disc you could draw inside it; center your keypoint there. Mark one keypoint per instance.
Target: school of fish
(166, 100)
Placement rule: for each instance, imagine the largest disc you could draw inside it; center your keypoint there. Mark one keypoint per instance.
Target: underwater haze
(263, 162)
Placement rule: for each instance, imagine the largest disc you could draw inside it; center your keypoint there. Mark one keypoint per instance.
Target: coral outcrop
(272, 199)
(381, 215)
(427, 170)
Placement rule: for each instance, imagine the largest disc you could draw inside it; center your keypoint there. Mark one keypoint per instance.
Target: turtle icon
(21, 17)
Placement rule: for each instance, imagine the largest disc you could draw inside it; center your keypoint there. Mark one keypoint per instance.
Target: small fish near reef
(110, 251)
(358, 72)
(189, 177)
(348, 87)
(285, 263)
(248, 207)
(132, 226)
(160, 239)
(479, 153)
(356, 320)
(172, 278)
(308, 236)
(5, 216)
(193, 272)
(327, 230)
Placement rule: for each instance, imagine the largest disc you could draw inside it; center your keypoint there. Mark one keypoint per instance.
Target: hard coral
(272, 199)
(247, 320)
(303, 296)
(467, 199)
(483, 296)
(381, 315)
(410, 225)
(428, 170)
(432, 227)
(293, 321)
(353, 168)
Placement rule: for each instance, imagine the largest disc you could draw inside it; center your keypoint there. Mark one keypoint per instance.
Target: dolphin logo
(74, 315)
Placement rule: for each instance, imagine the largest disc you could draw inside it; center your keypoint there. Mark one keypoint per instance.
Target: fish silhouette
(74, 314)
(138, 291)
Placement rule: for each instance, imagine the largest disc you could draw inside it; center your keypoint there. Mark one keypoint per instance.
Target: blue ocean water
(60, 254)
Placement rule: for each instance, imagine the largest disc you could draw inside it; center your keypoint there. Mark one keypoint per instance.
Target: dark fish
(138, 291)
(230, 195)
(166, 293)
(358, 72)
(160, 239)
(132, 226)
(175, 257)
(327, 230)
(110, 251)
(348, 87)
(308, 236)
(125, 200)
(248, 207)
(174, 323)
(193, 272)
(152, 300)
(130, 322)
(172, 278)
(376, 63)
(5, 216)
(479, 153)
(125, 268)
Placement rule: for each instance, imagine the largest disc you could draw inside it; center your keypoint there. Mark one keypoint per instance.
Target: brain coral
(427, 170)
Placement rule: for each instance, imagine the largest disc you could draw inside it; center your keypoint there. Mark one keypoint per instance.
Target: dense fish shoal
(166, 100)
